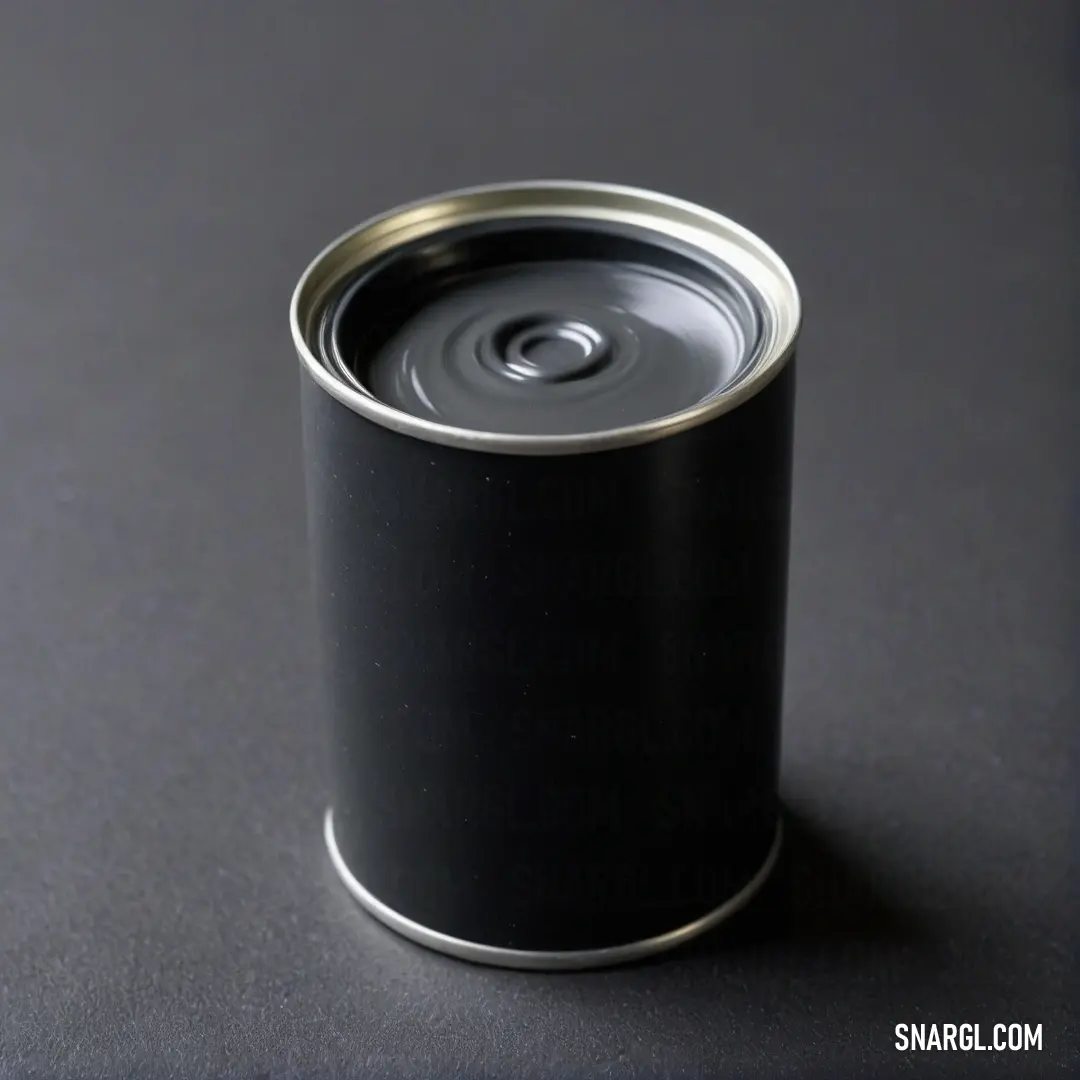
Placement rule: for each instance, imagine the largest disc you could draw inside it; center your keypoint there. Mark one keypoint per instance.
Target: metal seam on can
(527, 960)
(709, 232)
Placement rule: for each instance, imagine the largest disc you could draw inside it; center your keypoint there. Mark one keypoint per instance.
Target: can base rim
(528, 960)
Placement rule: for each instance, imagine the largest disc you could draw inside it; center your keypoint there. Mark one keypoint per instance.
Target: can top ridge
(547, 317)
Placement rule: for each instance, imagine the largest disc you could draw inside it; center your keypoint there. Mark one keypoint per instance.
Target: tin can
(548, 435)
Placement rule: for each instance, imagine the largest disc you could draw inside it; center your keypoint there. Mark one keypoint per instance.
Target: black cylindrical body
(554, 676)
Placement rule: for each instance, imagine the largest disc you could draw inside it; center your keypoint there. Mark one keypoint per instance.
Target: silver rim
(710, 232)
(547, 961)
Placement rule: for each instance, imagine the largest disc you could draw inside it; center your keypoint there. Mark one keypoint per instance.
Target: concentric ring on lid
(545, 318)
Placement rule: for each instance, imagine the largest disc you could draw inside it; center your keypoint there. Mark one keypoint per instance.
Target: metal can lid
(545, 317)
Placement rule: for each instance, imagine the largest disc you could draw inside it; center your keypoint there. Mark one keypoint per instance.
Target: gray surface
(167, 171)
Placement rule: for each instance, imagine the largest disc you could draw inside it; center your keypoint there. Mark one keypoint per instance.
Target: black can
(548, 432)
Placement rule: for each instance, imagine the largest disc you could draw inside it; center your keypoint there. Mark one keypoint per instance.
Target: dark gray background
(166, 172)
